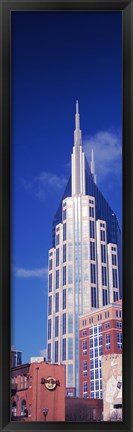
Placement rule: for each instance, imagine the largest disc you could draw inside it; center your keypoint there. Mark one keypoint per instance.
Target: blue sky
(57, 57)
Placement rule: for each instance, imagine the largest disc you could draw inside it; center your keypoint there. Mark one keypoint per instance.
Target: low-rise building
(100, 334)
(39, 392)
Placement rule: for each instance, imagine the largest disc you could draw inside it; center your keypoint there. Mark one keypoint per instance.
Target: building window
(105, 297)
(50, 264)
(119, 340)
(21, 381)
(70, 230)
(30, 410)
(100, 328)
(14, 409)
(85, 368)
(57, 302)
(115, 281)
(120, 314)
(113, 249)
(64, 231)
(70, 323)
(106, 314)
(107, 325)
(70, 375)
(84, 347)
(49, 329)
(103, 253)
(108, 341)
(64, 214)
(50, 282)
(70, 250)
(92, 375)
(96, 352)
(23, 407)
(92, 386)
(100, 351)
(91, 343)
(91, 330)
(91, 364)
(64, 275)
(119, 324)
(102, 225)
(30, 381)
(57, 279)
(57, 239)
(64, 349)
(56, 326)
(92, 234)
(64, 324)
(25, 382)
(85, 389)
(96, 363)
(95, 341)
(57, 257)
(117, 313)
(93, 297)
(99, 317)
(95, 329)
(49, 352)
(91, 353)
(84, 333)
(115, 293)
(91, 212)
(70, 274)
(64, 253)
(104, 276)
(92, 251)
(64, 298)
(97, 385)
(114, 260)
(50, 305)
(84, 322)
(56, 351)
(93, 273)
(70, 348)
(102, 235)
(100, 340)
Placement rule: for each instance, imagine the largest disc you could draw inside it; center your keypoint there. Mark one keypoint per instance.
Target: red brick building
(100, 333)
(80, 409)
(35, 387)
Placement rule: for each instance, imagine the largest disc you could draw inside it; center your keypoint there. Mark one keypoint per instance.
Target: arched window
(14, 409)
(23, 407)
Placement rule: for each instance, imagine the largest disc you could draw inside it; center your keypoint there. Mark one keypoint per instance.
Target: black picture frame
(6, 6)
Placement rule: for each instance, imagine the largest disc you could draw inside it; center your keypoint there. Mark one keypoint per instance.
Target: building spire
(93, 166)
(78, 159)
(77, 132)
(77, 116)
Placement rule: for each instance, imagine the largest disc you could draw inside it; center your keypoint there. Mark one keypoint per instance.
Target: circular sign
(51, 383)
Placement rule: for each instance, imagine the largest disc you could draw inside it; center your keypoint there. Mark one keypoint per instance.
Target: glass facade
(83, 228)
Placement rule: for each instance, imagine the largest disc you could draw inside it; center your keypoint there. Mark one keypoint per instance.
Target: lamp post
(45, 412)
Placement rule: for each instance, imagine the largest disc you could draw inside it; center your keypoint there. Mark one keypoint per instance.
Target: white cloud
(31, 273)
(44, 183)
(107, 146)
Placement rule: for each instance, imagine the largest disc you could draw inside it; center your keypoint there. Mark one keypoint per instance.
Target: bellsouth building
(84, 261)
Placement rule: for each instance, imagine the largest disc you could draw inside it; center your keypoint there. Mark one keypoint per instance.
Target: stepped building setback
(84, 261)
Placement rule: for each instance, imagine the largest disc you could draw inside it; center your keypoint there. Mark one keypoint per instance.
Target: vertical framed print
(66, 206)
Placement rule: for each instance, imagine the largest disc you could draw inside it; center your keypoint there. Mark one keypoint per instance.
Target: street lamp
(45, 412)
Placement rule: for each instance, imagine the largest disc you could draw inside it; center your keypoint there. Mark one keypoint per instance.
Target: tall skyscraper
(84, 262)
